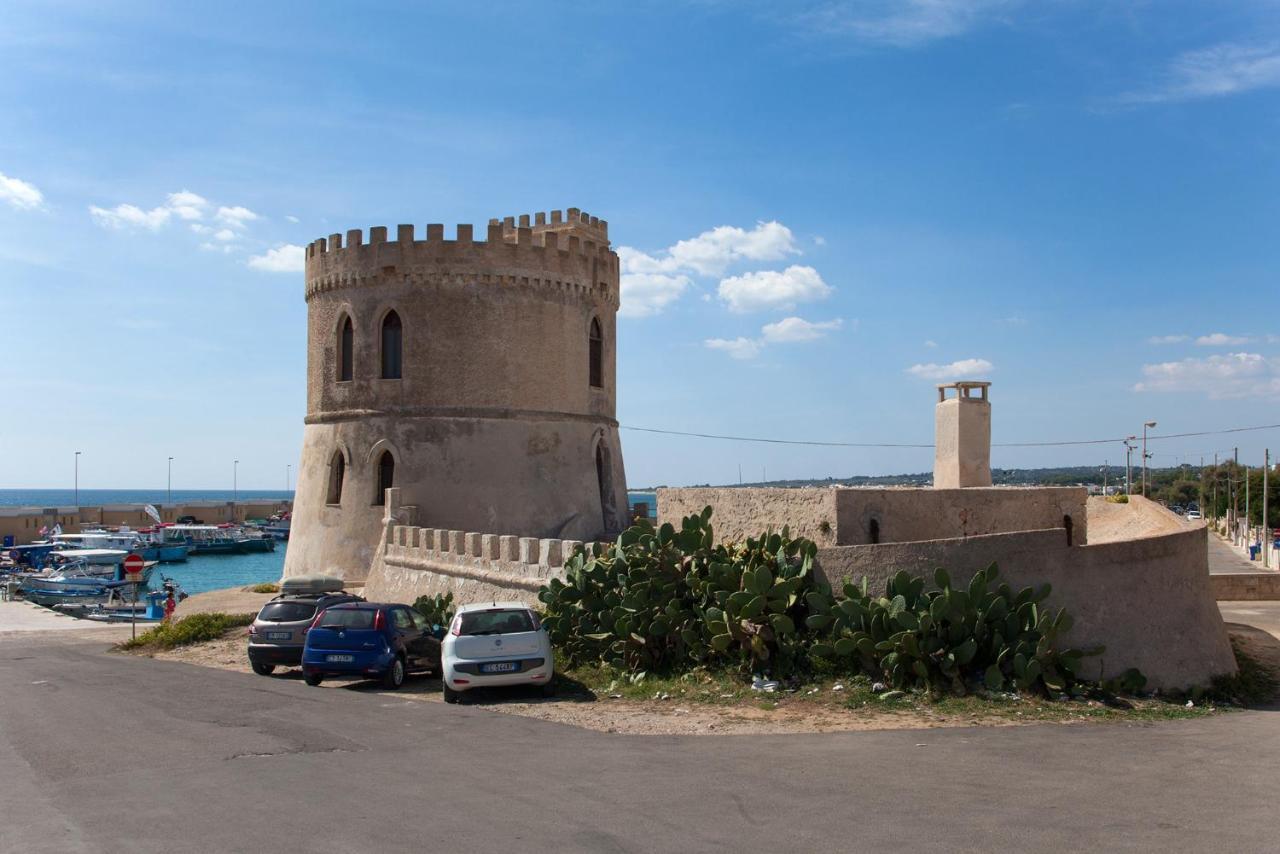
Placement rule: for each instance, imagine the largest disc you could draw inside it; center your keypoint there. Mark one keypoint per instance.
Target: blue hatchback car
(370, 640)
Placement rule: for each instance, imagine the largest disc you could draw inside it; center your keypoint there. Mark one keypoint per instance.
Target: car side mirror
(437, 632)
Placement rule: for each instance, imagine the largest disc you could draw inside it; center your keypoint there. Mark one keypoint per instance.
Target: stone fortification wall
(417, 562)
(842, 516)
(24, 523)
(496, 422)
(1148, 600)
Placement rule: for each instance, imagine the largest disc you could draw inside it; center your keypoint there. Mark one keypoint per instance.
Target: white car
(1193, 515)
(495, 643)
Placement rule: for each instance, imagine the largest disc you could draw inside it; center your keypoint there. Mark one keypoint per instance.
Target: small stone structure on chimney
(962, 441)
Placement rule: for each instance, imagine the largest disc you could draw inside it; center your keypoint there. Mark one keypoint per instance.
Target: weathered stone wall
(24, 523)
(494, 423)
(474, 567)
(842, 516)
(1148, 600)
(906, 515)
(738, 513)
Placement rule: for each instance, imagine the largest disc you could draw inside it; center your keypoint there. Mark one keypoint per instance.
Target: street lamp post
(1145, 455)
(1128, 465)
(287, 470)
(235, 481)
(77, 478)
(169, 489)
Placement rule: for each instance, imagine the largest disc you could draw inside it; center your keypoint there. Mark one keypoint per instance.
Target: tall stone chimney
(962, 441)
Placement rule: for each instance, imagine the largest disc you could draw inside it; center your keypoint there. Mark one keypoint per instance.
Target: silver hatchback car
(277, 635)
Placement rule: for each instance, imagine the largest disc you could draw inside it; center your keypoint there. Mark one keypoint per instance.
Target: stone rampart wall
(1148, 600)
(739, 513)
(427, 561)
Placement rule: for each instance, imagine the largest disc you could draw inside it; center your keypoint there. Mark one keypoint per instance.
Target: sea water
(213, 572)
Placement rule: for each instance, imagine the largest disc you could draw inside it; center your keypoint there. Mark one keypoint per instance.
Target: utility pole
(169, 490)
(1128, 465)
(1145, 455)
(1105, 465)
(77, 478)
(1266, 529)
(1215, 489)
(1248, 521)
(1235, 493)
(235, 481)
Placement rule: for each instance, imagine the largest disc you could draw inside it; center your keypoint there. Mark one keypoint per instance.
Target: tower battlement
(570, 249)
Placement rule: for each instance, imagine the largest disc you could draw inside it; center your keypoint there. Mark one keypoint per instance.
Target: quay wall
(838, 516)
(24, 523)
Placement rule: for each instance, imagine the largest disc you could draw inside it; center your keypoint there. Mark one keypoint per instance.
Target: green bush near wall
(667, 600)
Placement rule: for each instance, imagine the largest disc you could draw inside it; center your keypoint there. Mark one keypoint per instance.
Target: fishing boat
(219, 539)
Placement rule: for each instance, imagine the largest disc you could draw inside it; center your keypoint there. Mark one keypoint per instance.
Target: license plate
(500, 667)
(340, 658)
(279, 635)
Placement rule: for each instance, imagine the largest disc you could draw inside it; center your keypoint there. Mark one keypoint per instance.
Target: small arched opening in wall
(384, 475)
(1068, 524)
(337, 476)
(346, 349)
(873, 531)
(604, 480)
(392, 346)
(595, 354)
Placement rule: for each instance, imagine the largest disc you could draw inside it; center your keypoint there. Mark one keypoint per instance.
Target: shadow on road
(567, 690)
(1263, 648)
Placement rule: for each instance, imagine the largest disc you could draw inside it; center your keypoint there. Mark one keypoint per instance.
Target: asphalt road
(102, 752)
(1223, 559)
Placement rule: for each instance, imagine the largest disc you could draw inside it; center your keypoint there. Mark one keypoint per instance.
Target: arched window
(392, 339)
(386, 477)
(346, 350)
(595, 367)
(337, 473)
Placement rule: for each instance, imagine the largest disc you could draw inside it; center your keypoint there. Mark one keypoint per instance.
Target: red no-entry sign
(133, 566)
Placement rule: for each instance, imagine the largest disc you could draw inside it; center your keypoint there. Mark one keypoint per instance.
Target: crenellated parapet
(567, 251)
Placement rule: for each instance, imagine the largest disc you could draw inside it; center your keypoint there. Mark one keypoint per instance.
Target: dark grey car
(277, 635)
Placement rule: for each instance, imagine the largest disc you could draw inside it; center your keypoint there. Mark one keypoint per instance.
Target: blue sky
(825, 207)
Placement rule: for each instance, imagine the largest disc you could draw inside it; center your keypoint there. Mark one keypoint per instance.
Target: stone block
(489, 546)
(529, 550)
(427, 539)
(509, 548)
(442, 540)
(550, 553)
(458, 542)
(568, 547)
(473, 544)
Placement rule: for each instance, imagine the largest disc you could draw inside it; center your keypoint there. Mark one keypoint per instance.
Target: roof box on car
(311, 584)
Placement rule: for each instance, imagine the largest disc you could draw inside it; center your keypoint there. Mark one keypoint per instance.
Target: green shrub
(666, 600)
(437, 609)
(196, 628)
(268, 587)
(1118, 499)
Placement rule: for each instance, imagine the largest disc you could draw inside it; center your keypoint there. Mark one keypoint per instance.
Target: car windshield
(348, 618)
(287, 612)
(496, 622)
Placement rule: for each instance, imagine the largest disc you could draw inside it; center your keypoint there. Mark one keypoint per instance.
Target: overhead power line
(815, 443)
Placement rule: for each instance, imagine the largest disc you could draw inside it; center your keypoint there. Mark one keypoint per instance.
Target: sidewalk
(19, 616)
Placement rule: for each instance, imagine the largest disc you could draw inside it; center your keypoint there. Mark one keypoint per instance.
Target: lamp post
(235, 481)
(1145, 455)
(77, 478)
(169, 489)
(287, 469)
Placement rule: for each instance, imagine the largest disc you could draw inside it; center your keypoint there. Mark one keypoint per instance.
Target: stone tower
(962, 436)
(476, 376)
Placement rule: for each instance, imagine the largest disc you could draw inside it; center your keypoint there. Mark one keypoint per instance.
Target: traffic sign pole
(133, 567)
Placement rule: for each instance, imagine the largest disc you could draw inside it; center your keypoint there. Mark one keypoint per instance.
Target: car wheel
(450, 695)
(394, 677)
(312, 679)
(262, 668)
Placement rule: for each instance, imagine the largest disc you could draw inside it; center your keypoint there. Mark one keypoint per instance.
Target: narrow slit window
(337, 473)
(346, 351)
(392, 342)
(596, 355)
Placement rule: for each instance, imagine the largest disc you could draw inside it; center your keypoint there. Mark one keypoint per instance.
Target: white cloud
(201, 229)
(1167, 339)
(187, 205)
(1222, 69)
(224, 234)
(283, 259)
(962, 369)
(1221, 339)
(20, 194)
(931, 344)
(903, 23)
(236, 217)
(738, 348)
(292, 218)
(794, 330)
(819, 240)
(767, 289)
(1218, 376)
(130, 216)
